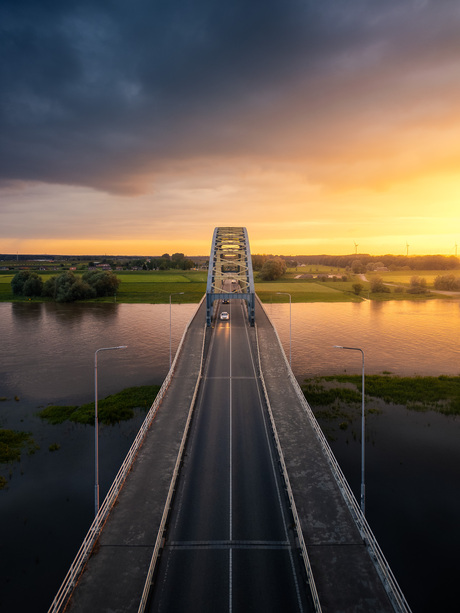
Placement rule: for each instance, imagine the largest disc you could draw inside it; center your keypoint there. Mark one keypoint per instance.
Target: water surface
(47, 356)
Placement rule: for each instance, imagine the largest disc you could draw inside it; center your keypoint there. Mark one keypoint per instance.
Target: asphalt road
(230, 543)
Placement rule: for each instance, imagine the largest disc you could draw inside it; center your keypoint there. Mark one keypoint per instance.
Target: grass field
(305, 291)
(403, 277)
(440, 394)
(155, 287)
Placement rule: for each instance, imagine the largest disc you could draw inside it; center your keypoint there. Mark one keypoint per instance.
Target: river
(47, 357)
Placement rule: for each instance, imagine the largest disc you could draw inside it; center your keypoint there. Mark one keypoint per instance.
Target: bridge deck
(344, 573)
(115, 575)
(345, 576)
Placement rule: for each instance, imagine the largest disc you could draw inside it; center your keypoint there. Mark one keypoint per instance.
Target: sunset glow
(319, 131)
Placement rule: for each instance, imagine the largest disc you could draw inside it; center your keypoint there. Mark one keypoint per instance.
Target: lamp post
(96, 429)
(290, 327)
(363, 487)
(170, 353)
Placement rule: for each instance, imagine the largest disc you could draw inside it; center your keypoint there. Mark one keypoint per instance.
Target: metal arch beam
(230, 274)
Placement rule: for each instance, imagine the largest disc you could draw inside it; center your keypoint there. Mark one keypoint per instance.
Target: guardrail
(159, 539)
(389, 581)
(65, 591)
(303, 547)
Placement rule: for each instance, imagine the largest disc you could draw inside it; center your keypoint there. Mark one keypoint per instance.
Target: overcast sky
(137, 127)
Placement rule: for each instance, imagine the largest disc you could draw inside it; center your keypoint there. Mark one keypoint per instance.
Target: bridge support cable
(230, 272)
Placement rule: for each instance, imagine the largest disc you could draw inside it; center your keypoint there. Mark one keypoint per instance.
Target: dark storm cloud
(99, 93)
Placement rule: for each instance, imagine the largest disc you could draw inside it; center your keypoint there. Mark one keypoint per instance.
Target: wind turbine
(455, 249)
(407, 248)
(356, 247)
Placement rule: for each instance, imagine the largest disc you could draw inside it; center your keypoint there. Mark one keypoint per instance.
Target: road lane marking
(178, 545)
(274, 471)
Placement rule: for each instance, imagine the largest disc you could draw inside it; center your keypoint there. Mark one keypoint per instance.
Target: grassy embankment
(155, 287)
(12, 443)
(336, 399)
(111, 410)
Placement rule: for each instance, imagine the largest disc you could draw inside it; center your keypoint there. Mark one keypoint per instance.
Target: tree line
(66, 287)
(393, 262)
(176, 261)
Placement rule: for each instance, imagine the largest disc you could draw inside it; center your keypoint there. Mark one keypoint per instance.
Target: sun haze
(136, 129)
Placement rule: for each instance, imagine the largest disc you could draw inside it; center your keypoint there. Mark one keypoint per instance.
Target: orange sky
(322, 128)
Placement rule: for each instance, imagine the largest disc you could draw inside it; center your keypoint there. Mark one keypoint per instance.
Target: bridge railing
(387, 577)
(84, 553)
(303, 547)
(172, 487)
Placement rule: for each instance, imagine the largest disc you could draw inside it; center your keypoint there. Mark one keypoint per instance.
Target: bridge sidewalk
(114, 577)
(345, 576)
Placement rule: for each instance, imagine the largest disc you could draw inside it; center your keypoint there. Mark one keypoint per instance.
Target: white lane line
(275, 473)
(228, 545)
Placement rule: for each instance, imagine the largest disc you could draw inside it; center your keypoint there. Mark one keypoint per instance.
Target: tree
(26, 283)
(273, 269)
(49, 288)
(357, 288)
(68, 288)
(104, 283)
(33, 286)
(357, 267)
(258, 261)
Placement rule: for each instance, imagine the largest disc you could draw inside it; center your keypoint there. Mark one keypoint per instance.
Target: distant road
(230, 545)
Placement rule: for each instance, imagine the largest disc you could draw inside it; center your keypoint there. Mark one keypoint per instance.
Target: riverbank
(159, 287)
(336, 400)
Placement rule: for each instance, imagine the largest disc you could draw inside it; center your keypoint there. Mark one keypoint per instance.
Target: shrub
(378, 286)
(447, 282)
(417, 285)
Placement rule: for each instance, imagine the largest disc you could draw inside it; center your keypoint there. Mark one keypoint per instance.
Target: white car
(224, 315)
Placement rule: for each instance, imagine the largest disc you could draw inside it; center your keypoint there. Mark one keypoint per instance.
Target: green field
(305, 291)
(403, 277)
(155, 287)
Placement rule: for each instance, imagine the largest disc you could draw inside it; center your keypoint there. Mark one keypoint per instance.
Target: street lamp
(170, 355)
(363, 487)
(290, 327)
(96, 429)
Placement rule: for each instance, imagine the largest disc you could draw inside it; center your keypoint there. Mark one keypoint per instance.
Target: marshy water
(47, 356)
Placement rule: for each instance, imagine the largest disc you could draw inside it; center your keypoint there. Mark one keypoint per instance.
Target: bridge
(230, 498)
(230, 273)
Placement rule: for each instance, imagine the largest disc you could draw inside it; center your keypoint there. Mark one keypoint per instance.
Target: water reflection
(405, 338)
(26, 311)
(48, 349)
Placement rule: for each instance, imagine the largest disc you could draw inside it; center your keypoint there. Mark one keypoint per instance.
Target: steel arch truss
(230, 273)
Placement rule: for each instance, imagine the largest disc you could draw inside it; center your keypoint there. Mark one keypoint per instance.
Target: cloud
(112, 95)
